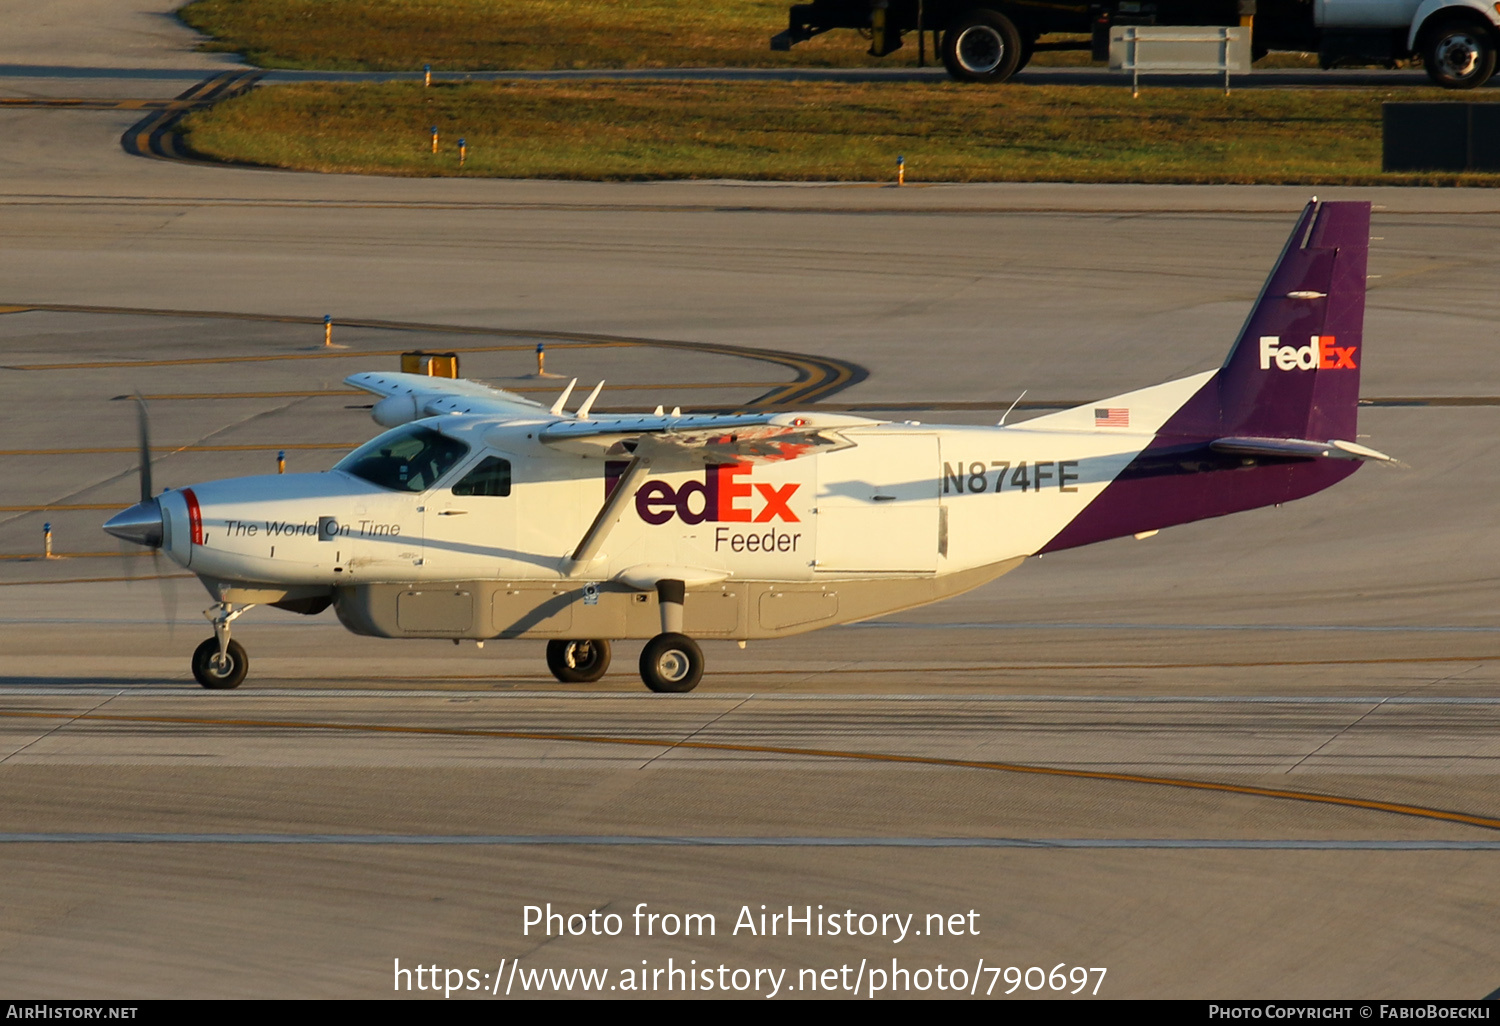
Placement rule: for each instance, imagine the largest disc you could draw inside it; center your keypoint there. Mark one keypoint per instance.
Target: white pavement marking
(624, 840)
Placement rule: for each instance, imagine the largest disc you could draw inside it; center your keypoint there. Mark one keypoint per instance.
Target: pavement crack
(684, 740)
(1369, 712)
(66, 723)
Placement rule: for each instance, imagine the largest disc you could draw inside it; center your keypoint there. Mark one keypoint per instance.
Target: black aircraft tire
(220, 678)
(578, 662)
(671, 663)
(1460, 54)
(982, 46)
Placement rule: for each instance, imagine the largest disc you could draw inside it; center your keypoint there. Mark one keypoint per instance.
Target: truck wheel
(1460, 55)
(1028, 50)
(981, 46)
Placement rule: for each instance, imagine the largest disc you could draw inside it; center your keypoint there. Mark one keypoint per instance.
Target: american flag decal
(1113, 416)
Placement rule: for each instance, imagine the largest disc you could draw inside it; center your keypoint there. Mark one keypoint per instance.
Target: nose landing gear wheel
(671, 663)
(211, 673)
(578, 662)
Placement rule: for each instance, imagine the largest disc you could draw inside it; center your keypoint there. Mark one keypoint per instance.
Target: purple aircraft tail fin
(1259, 431)
(1294, 373)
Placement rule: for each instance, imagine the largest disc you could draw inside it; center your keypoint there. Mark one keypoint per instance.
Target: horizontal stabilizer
(1300, 448)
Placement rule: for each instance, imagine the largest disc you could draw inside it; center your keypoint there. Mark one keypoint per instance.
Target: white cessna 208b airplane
(482, 514)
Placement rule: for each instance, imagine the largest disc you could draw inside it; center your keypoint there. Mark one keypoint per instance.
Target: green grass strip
(814, 132)
(470, 35)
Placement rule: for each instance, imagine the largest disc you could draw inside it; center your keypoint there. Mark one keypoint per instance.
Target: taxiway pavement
(161, 841)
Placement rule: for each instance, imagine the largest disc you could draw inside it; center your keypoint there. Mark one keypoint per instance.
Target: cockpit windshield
(408, 459)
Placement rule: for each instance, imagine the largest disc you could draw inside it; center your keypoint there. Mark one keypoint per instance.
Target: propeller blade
(167, 587)
(143, 437)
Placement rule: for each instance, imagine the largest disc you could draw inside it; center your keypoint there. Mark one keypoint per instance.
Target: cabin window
(491, 477)
(408, 459)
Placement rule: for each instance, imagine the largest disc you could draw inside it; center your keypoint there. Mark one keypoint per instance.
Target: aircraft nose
(140, 524)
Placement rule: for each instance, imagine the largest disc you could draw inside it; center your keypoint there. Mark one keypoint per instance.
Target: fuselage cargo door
(878, 505)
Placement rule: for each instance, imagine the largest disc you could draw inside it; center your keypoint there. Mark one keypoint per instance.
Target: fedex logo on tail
(721, 495)
(1321, 353)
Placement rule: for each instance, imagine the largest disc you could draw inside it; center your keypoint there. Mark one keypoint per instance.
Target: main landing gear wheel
(212, 673)
(671, 663)
(982, 46)
(578, 662)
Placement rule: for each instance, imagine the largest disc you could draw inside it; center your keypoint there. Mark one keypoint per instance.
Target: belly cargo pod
(991, 40)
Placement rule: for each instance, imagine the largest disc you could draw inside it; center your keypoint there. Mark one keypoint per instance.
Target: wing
(659, 441)
(662, 440)
(696, 439)
(409, 397)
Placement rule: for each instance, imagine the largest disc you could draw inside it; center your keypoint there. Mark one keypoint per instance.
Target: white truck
(1456, 40)
(990, 40)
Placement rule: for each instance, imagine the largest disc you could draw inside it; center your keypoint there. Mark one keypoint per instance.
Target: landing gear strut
(220, 663)
(671, 661)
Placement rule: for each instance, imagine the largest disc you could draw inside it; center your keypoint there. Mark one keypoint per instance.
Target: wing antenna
(562, 400)
(588, 404)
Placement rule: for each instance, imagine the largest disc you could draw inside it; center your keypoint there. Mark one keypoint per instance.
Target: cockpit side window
(490, 477)
(410, 459)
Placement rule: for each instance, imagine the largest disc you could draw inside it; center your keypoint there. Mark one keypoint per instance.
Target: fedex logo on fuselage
(721, 495)
(1321, 353)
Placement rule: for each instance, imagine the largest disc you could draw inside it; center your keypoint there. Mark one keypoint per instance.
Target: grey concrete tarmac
(1342, 646)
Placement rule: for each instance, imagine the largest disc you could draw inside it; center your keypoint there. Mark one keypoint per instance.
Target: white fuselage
(902, 500)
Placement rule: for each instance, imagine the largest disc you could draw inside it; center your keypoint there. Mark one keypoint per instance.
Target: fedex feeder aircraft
(481, 514)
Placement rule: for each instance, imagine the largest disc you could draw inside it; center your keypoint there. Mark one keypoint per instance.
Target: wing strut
(609, 515)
